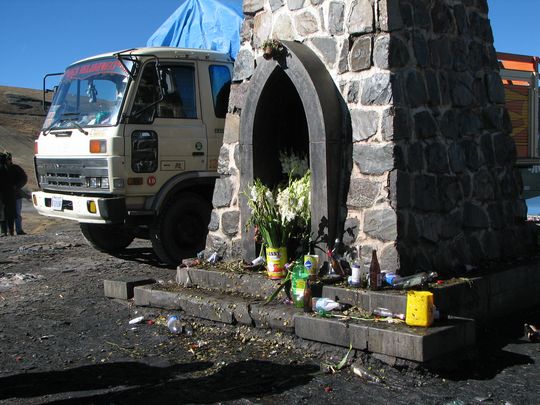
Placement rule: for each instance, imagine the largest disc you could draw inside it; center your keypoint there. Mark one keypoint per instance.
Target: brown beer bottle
(374, 272)
(308, 294)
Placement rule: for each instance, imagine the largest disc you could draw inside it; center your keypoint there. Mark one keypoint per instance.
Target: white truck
(130, 147)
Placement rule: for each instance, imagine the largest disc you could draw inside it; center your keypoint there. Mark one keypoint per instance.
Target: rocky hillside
(21, 117)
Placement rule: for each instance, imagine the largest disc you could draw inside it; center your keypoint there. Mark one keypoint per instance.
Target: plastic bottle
(298, 284)
(324, 304)
(375, 280)
(411, 281)
(175, 325)
(387, 313)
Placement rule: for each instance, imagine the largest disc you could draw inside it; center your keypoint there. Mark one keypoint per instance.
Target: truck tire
(180, 229)
(107, 238)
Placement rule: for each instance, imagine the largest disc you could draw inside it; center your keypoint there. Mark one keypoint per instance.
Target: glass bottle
(374, 273)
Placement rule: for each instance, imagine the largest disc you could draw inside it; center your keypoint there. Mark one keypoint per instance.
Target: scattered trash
(386, 313)
(214, 258)
(137, 320)
(455, 402)
(174, 324)
(365, 374)
(258, 261)
(415, 280)
(487, 398)
(191, 262)
(333, 368)
(532, 333)
(177, 327)
(324, 304)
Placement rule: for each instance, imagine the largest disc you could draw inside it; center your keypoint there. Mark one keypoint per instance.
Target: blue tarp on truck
(202, 24)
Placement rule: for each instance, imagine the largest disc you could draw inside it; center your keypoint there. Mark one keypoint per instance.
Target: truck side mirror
(167, 82)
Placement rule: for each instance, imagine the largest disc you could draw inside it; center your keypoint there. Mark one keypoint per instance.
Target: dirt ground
(62, 341)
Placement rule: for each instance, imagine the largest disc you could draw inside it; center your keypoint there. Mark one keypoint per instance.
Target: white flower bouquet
(284, 213)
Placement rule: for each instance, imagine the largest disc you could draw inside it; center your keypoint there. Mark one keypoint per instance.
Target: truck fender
(185, 181)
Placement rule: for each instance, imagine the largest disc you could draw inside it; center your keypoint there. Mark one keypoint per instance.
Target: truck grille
(70, 174)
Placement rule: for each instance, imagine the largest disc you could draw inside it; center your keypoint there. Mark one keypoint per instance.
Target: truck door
(167, 137)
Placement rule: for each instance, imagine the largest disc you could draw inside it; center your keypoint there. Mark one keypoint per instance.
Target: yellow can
(276, 258)
(419, 308)
(311, 263)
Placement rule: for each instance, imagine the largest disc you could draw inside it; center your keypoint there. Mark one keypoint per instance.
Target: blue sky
(44, 36)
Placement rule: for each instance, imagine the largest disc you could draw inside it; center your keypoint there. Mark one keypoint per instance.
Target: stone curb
(123, 289)
(416, 344)
(255, 285)
(399, 341)
(219, 307)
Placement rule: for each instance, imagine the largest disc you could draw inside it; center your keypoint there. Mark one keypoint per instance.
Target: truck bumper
(77, 208)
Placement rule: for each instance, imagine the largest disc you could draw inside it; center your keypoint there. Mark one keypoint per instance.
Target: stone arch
(328, 128)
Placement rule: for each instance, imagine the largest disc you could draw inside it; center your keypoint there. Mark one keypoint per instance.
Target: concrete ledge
(123, 289)
(219, 307)
(493, 295)
(401, 341)
(215, 307)
(275, 316)
(256, 285)
(395, 301)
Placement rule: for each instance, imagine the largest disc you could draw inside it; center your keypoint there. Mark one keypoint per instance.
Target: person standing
(3, 185)
(7, 190)
(19, 179)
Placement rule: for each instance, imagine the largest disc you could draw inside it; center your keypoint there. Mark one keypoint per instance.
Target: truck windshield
(89, 95)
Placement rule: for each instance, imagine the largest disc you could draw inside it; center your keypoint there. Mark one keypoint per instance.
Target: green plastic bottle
(298, 284)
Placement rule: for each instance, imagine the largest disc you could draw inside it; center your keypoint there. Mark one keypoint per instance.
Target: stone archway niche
(297, 92)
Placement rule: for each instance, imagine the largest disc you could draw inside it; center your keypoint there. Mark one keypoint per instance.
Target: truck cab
(130, 146)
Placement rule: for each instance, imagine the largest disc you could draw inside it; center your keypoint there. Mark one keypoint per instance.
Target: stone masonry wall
(433, 184)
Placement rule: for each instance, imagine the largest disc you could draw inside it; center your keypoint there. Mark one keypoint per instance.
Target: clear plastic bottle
(412, 281)
(175, 325)
(386, 313)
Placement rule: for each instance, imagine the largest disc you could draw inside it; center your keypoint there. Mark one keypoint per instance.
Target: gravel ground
(62, 341)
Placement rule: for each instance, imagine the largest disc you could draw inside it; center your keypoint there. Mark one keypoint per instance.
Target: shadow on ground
(135, 382)
(501, 344)
(142, 255)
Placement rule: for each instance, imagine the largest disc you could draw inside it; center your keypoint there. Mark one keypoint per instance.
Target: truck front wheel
(107, 238)
(180, 229)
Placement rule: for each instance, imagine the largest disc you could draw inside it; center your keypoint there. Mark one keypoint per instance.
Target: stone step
(396, 340)
(218, 306)
(256, 285)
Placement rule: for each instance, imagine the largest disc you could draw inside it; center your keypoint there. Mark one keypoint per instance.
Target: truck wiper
(71, 118)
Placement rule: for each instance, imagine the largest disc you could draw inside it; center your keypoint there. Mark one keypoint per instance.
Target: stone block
(374, 158)
(202, 306)
(358, 336)
(360, 54)
(272, 316)
(183, 277)
(447, 337)
(394, 301)
(351, 296)
(322, 330)
(377, 89)
(360, 20)
(141, 295)
(394, 341)
(123, 289)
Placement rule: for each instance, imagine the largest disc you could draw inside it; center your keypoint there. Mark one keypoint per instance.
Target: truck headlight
(105, 182)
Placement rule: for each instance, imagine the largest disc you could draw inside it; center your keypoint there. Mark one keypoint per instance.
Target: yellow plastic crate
(419, 308)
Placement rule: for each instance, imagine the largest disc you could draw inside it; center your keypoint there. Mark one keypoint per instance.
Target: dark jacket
(19, 179)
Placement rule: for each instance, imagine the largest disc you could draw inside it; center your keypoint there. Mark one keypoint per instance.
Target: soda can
(311, 263)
